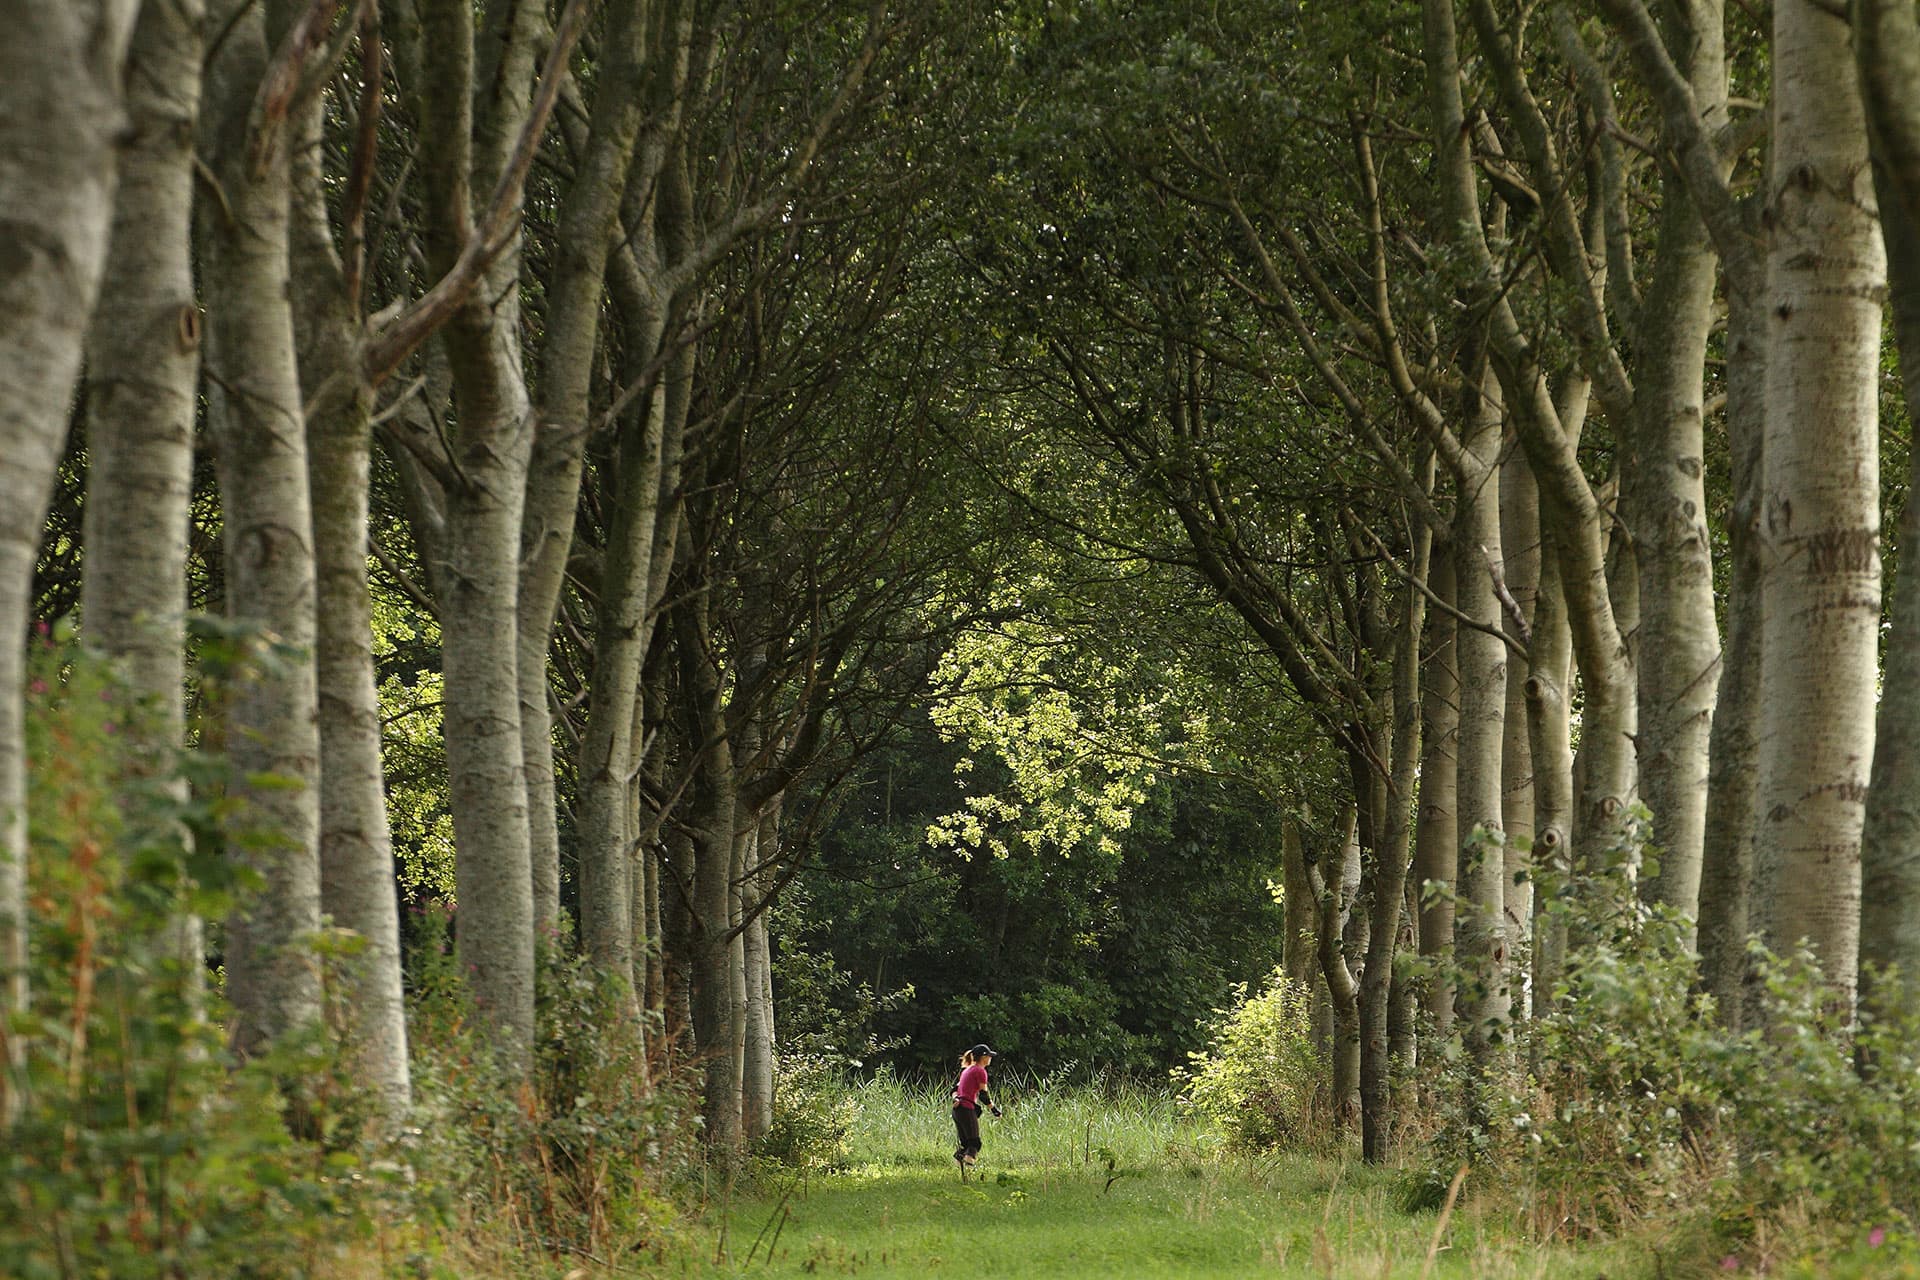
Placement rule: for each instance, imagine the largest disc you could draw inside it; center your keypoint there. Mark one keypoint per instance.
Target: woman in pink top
(969, 1095)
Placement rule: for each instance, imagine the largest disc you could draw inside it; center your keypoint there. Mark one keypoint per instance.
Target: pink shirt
(972, 1081)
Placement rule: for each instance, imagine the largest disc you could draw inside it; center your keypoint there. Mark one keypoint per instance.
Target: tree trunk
(259, 430)
(1887, 43)
(1549, 735)
(1520, 559)
(758, 1061)
(1680, 643)
(1820, 612)
(356, 842)
(60, 116)
(1436, 856)
(589, 221)
(1726, 872)
(474, 100)
(1391, 857)
(1480, 927)
(143, 373)
(1334, 908)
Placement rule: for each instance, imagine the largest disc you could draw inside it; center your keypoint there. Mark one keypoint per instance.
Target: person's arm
(985, 1101)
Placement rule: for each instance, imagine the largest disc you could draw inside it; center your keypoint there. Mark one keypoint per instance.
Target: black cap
(979, 1049)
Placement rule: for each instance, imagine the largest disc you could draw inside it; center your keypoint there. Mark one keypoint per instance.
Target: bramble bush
(1256, 1079)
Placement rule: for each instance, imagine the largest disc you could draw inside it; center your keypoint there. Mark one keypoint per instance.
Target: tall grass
(1043, 1128)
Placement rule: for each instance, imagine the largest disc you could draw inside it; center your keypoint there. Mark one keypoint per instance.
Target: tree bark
(1520, 552)
(1726, 872)
(1887, 46)
(474, 102)
(757, 1064)
(589, 222)
(1549, 735)
(1392, 854)
(143, 373)
(1436, 856)
(1820, 615)
(1480, 935)
(1335, 905)
(1679, 648)
(259, 429)
(356, 841)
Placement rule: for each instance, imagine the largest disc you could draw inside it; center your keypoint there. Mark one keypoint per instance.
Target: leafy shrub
(1629, 1100)
(814, 1112)
(577, 1157)
(1256, 1078)
(140, 1149)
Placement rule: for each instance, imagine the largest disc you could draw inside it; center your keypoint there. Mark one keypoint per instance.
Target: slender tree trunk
(143, 373)
(1549, 735)
(1436, 856)
(713, 817)
(588, 222)
(1520, 552)
(1887, 43)
(1480, 928)
(259, 429)
(758, 1061)
(1335, 905)
(60, 115)
(1726, 872)
(357, 887)
(1391, 857)
(1820, 614)
(632, 581)
(475, 98)
(1680, 641)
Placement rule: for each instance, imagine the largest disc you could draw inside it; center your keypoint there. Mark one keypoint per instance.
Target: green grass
(1076, 1184)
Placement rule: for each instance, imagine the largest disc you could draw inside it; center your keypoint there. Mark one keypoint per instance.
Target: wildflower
(1876, 1237)
(1730, 1263)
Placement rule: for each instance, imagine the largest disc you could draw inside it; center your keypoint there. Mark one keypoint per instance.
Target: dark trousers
(966, 1121)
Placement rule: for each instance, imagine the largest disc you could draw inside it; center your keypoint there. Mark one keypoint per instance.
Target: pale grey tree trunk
(1332, 887)
(1480, 935)
(1826, 273)
(1887, 44)
(1299, 950)
(143, 375)
(1679, 650)
(1520, 550)
(1550, 737)
(589, 221)
(639, 553)
(474, 99)
(1436, 856)
(357, 888)
(758, 1062)
(259, 430)
(60, 116)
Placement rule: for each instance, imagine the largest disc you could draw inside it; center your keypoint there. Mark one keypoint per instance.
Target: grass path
(1043, 1203)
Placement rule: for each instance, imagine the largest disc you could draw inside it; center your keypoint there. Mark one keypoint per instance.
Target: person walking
(969, 1095)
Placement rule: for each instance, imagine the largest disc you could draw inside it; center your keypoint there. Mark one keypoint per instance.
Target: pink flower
(1730, 1263)
(37, 686)
(1876, 1237)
